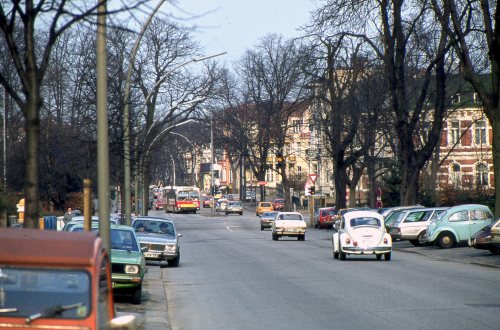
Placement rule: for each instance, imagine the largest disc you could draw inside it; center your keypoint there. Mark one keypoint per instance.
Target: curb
(156, 316)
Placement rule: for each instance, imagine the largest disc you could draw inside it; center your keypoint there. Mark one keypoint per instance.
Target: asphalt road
(234, 276)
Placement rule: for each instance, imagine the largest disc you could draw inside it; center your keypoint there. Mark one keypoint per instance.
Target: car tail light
(385, 240)
(355, 243)
(348, 240)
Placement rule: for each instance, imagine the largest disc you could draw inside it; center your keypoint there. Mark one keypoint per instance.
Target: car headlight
(132, 269)
(170, 247)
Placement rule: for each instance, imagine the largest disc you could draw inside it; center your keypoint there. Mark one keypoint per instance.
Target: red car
(324, 218)
(278, 204)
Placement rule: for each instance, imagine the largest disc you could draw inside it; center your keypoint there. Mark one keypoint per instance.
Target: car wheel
(137, 295)
(241, 213)
(387, 256)
(379, 256)
(335, 255)
(226, 213)
(446, 240)
(175, 262)
(342, 255)
(494, 250)
(415, 242)
(261, 228)
(316, 225)
(275, 237)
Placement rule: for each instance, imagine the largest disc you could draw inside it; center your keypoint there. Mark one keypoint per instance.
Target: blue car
(457, 225)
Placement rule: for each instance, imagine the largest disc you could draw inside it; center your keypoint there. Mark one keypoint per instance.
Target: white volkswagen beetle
(361, 232)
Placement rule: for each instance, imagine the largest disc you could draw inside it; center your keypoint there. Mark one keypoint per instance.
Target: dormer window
(455, 99)
(476, 98)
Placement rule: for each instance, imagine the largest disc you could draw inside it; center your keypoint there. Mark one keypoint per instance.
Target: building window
(481, 175)
(455, 175)
(455, 132)
(270, 175)
(455, 99)
(480, 132)
(298, 148)
(297, 125)
(476, 98)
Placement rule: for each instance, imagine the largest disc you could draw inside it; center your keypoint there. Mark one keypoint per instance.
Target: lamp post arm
(126, 120)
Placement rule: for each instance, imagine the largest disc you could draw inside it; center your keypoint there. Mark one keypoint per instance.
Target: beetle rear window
(365, 221)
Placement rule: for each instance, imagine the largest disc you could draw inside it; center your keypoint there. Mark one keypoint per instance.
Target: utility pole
(102, 128)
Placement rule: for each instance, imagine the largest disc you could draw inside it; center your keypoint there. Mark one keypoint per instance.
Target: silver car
(233, 207)
(160, 238)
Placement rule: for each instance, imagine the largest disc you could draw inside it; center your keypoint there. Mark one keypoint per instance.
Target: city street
(234, 276)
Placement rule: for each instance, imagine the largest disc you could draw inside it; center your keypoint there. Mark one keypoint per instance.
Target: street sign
(262, 183)
(313, 177)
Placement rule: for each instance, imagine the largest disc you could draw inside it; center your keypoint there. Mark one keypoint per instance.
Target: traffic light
(312, 190)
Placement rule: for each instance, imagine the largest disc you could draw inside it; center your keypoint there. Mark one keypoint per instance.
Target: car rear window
(290, 217)
(266, 205)
(365, 221)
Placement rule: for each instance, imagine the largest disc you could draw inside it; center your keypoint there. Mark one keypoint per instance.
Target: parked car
(234, 207)
(278, 204)
(411, 224)
(495, 234)
(324, 218)
(483, 240)
(127, 262)
(392, 215)
(56, 280)
(80, 219)
(160, 238)
(362, 233)
(289, 224)
(263, 207)
(457, 225)
(267, 219)
(341, 212)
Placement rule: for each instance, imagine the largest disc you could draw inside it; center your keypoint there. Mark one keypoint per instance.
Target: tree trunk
(31, 181)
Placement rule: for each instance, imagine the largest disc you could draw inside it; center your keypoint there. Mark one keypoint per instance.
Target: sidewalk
(156, 316)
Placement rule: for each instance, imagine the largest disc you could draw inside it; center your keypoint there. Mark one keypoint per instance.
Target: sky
(234, 26)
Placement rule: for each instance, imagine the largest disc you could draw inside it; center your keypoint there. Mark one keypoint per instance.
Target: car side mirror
(179, 235)
(144, 249)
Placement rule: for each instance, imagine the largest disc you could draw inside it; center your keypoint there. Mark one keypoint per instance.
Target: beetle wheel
(387, 256)
(446, 241)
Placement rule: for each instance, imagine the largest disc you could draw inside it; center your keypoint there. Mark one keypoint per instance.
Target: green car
(457, 225)
(128, 264)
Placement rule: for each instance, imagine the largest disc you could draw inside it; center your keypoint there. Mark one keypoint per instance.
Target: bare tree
(19, 23)
(274, 83)
(471, 25)
(413, 51)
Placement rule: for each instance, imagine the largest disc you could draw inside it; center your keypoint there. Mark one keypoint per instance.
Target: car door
(478, 220)
(459, 221)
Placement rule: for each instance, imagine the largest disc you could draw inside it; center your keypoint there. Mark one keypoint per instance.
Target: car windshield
(365, 221)
(269, 214)
(235, 203)
(26, 292)
(122, 239)
(154, 227)
(266, 205)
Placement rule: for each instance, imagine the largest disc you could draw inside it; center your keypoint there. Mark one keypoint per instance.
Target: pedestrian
(68, 215)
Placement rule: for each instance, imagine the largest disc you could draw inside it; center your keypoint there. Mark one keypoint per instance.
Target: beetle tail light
(386, 240)
(355, 243)
(348, 240)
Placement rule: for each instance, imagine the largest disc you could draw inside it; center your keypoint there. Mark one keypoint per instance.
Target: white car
(360, 233)
(289, 224)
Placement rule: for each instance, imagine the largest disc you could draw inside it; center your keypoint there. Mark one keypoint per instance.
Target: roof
(48, 248)
(359, 214)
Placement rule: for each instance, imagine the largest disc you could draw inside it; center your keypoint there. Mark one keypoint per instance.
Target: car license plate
(151, 255)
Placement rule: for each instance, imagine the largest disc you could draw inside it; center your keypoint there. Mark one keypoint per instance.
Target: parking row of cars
(446, 227)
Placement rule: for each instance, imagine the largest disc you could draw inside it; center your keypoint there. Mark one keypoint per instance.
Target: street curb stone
(156, 316)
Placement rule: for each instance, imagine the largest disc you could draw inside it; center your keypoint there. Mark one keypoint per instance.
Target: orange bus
(179, 199)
